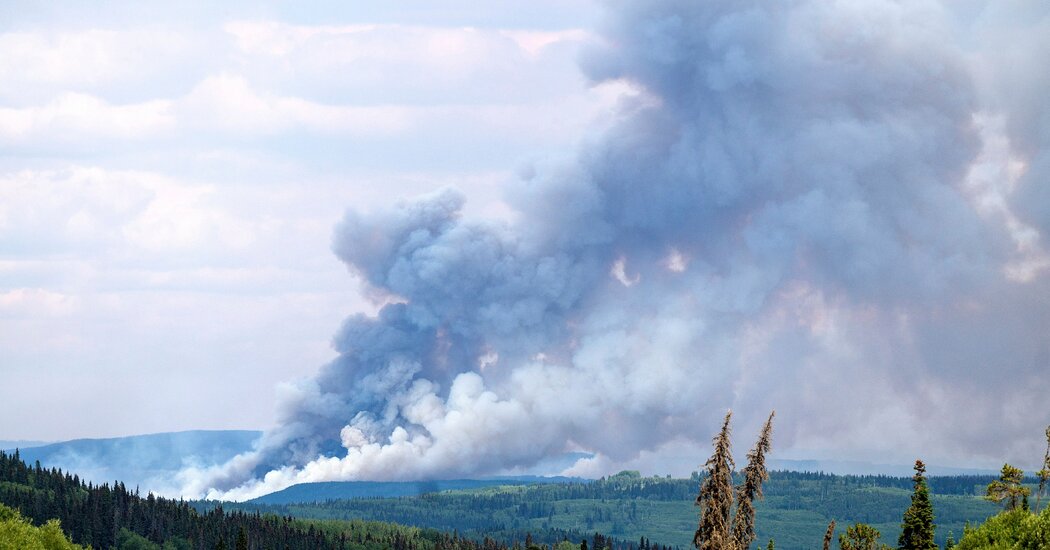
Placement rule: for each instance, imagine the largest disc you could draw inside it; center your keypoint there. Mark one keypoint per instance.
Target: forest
(626, 511)
(796, 508)
(111, 516)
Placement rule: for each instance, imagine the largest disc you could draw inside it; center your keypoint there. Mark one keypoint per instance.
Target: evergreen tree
(917, 526)
(949, 543)
(770, 545)
(1008, 489)
(828, 534)
(242, 539)
(751, 488)
(861, 536)
(1044, 473)
(716, 495)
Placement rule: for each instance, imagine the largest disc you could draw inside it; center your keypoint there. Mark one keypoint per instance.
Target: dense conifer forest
(112, 516)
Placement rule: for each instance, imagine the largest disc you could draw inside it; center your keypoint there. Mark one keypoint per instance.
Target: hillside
(145, 461)
(53, 504)
(10, 445)
(335, 490)
(795, 512)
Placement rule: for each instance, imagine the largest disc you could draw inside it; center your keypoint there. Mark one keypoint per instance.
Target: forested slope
(106, 516)
(796, 509)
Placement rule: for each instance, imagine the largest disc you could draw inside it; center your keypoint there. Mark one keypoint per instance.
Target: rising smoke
(830, 208)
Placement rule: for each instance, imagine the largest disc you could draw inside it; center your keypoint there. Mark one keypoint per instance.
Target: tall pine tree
(754, 474)
(716, 496)
(828, 534)
(917, 526)
(720, 528)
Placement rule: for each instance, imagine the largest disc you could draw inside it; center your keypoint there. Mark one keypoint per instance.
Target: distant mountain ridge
(148, 461)
(12, 444)
(335, 490)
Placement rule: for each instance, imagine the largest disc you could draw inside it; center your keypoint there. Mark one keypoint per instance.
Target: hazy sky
(170, 178)
(423, 241)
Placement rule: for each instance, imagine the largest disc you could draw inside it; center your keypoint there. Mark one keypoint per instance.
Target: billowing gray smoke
(831, 208)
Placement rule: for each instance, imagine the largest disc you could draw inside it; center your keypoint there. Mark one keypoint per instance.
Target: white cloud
(75, 117)
(53, 60)
(77, 206)
(228, 103)
(36, 301)
(409, 64)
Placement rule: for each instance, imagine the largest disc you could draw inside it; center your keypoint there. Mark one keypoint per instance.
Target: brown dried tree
(716, 496)
(754, 475)
(719, 528)
(828, 534)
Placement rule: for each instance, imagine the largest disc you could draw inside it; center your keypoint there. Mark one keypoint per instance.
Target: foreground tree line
(727, 513)
(48, 509)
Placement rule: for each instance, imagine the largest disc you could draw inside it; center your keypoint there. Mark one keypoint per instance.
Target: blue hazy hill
(147, 461)
(317, 492)
(12, 444)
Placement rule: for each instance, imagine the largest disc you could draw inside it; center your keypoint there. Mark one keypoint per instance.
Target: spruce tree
(917, 525)
(716, 496)
(861, 536)
(751, 488)
(828, 534)
(1008, 489)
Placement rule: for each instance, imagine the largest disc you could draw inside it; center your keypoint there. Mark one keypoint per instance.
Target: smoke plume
(830, 208)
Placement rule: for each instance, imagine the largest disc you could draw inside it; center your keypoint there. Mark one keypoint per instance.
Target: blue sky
(422, 241)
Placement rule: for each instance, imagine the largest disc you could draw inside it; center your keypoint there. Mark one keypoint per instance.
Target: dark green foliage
(949, 543)
(128, 540)
(917, 527)
(105, 516)
(861, 536)
(795, 511)
(325, 490)
(1044, 473)
(1009, 530)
